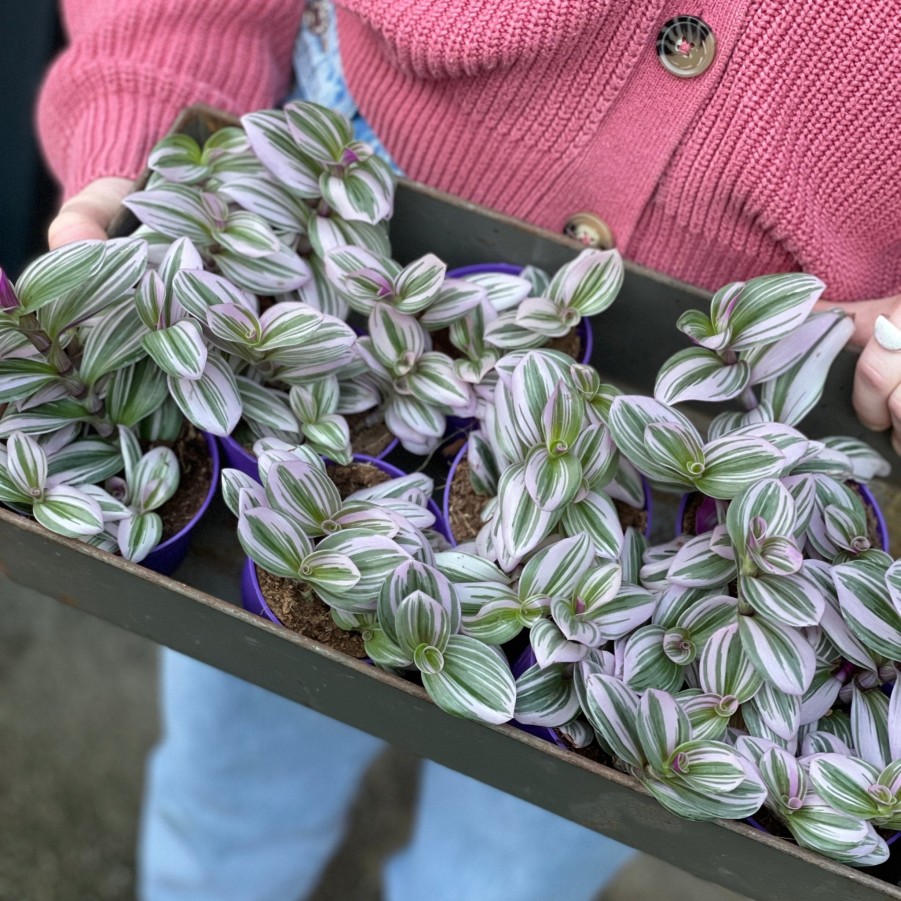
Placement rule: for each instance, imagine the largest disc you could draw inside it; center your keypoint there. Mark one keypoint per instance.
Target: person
(713, 142)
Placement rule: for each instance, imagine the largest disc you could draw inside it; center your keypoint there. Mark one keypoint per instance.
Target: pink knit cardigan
(785, 154)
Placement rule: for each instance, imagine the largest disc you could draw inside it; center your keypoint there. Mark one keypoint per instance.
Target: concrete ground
(77, 716)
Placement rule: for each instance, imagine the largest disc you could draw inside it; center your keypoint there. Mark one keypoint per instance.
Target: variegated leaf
(630, 416)
(273, 143)
(288, 324)
(781, 712)
(272, 541)
(550, 645)
(662, 726)
(135, 392)
(212, 402)
(138, 535)
(697, 373)
(869, 725)
(844, 782)
(734, 464)
(725, 669)
(697, 565)
(114, 342)
(552, 481)
(792, 600)
(589, 283)
(797, 391)
(419, 283)
(475, 682)
(770, 307)
(545, 697)
(645, 663)
(174, 210)
(596, 515)
(26, 465)
(69, 512)
(179, 350)
(612, 709)
(198, 291)
(780, 654)
(867, 608)
(276, 273)
(54, 274)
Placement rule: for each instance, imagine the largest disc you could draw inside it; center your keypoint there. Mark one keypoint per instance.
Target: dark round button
(590, 231)
(686, 46)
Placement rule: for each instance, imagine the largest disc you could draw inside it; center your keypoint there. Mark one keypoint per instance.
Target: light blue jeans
(247, 796)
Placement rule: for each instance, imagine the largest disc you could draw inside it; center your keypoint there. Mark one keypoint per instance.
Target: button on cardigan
(785, 154)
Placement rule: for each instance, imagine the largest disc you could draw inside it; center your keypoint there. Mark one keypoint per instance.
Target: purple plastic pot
(706, 519)
(251, 596)
(238, 457)
(165, 558)
(525, 660)
(446, 497)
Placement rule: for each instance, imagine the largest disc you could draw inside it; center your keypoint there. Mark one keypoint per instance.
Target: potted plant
(773, 643)
(368, 558)
(97, 441)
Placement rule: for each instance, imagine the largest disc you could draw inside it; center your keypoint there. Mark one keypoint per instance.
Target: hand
(89, 213)
(877, 378)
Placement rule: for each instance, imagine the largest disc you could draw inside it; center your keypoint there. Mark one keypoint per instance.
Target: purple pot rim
(446, 494)
(253, 583)
(450, 480)
(866, 494)
(584, 330)
(213, 449)
(881, 524)
(239, 450)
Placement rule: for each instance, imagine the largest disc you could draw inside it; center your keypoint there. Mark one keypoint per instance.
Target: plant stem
(749, 399)
(53, 353)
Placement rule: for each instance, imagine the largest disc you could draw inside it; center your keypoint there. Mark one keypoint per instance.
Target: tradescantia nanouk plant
(80, 388)
(369, 558)
(545, 454)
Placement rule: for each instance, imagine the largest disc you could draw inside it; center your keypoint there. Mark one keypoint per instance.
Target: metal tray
(196, 613)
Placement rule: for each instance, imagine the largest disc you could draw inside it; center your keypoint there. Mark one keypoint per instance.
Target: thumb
(89, 213)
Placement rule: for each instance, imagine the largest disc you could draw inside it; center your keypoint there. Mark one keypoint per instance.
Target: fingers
(877, 382)
(89, 213)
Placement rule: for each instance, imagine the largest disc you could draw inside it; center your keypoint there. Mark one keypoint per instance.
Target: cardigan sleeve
(130, 67)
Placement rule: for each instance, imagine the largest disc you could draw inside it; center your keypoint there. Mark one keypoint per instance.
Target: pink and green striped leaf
(475, 683)
(179, 350)
(780, 653)
(212, 402)
(697, 373)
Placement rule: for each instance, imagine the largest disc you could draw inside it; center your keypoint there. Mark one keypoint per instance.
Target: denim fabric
(319, 76)
(247, 796)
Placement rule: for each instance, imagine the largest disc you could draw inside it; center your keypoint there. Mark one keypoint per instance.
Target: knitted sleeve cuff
(122, 82)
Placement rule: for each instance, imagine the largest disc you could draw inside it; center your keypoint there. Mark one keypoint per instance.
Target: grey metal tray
(196, 613)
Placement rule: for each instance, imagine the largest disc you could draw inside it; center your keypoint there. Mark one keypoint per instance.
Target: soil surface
(297, 605)
(196, 468)
(465, 505)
